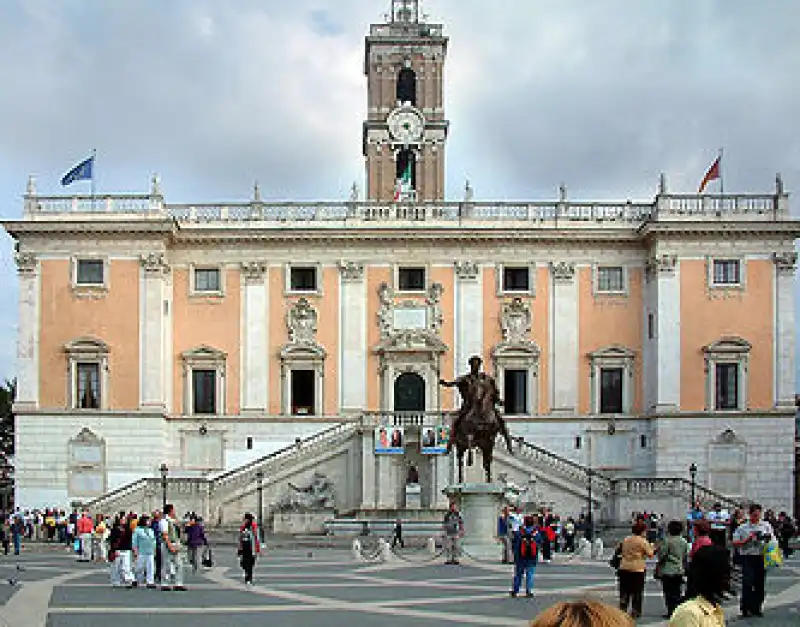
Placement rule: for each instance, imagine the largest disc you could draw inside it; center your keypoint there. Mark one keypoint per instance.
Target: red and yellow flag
(711, 175)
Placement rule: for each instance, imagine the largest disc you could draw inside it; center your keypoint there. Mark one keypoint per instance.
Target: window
(651, 326)
(87, 361)
(407, 86)
(611, 390)
(515, 392)
(612, 387)
(726, 374)
(204, 391)
(578, 442)
(643, 441)
(611, 279)
(207, 280)
(90, 272)
(516, 279)
(726, 272)
(411, 279)
(204, 381)
(303, 386)
(249, 443)
(303, 279)
(88, 385)
(727, 388)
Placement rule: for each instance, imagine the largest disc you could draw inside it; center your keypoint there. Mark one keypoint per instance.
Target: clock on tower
(406, 129)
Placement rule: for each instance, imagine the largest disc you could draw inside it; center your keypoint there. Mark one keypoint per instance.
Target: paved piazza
(327, 588)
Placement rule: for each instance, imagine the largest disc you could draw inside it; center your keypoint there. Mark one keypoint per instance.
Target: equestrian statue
(478, 422)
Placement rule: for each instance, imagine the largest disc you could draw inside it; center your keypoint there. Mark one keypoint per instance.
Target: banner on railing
(434, 440)
(389, 440)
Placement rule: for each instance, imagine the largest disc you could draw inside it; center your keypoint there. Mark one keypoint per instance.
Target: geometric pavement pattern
(47, 587)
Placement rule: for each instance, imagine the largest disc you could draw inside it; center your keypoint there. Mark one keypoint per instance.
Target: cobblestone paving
(302, 588)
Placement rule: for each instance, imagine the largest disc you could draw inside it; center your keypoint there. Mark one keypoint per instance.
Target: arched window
(407, 169)
(409, 392)
(407, 86)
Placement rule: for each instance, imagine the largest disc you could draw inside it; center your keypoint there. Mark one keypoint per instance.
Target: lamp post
(164, 472)
(260, 489)
(693, 475)
(589, 506)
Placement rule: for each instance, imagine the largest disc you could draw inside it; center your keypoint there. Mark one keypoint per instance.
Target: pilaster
(665, 270)
(368, 464)
(255, 351)
(564, 358)
(28, 335)
(469, 313)
(151, 325)
(784, 332)
(353, 331)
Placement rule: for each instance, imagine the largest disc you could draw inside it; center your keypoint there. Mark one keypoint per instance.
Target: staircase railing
(116, 494)
(320, 441)
(565, 466)
(669, 486)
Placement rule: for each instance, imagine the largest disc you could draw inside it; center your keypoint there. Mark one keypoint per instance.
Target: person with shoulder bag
(671, 568)
(635, 550)
(249, 547)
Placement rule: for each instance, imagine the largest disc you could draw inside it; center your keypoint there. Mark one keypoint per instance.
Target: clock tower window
(407, 86)
(406, 172)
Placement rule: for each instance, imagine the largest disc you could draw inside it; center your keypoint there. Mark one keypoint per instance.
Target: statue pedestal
(413, 496)
(479, 505)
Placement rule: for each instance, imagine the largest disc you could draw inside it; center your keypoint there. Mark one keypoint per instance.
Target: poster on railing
(389, 440)
(435, 439)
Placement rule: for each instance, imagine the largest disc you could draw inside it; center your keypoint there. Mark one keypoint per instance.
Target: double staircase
(549, 479)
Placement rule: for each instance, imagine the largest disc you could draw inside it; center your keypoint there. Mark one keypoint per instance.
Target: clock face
(406, 125)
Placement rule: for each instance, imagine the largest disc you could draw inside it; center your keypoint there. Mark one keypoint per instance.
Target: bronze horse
(479, 426)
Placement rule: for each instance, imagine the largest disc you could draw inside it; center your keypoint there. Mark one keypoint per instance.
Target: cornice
(17, 228)
(723, 229)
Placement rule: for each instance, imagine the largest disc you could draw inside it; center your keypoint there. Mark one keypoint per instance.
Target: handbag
(773, 556)
(208, 559)
(616, 560)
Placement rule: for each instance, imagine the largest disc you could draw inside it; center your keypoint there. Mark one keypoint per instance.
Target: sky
(212, 96)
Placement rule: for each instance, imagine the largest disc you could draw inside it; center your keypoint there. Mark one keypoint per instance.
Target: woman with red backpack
(525, 546)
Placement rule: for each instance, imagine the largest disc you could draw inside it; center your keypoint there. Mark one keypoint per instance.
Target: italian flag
(403, 183)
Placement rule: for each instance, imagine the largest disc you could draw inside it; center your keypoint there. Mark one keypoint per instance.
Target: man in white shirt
(172, 566)
(751, 538)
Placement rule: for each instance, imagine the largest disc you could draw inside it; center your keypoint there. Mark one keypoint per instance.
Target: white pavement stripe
(217, 609)
(29, 605)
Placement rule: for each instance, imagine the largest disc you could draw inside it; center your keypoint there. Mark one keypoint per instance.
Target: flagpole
(94, 164)
(721, 180)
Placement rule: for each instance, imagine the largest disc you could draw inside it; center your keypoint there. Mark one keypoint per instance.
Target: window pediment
(203, 354)
(516, 350)
(305, 351)
(728, 345)
(86, 346)
(615, 351)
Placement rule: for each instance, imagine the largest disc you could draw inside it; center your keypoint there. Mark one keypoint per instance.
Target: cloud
(214, 95)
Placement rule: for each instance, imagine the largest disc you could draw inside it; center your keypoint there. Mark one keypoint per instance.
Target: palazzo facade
(633, 338)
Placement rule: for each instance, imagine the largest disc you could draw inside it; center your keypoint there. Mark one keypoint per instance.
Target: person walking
(143, 544)
(85, 529)
(453, 526)
(750, 539)
(155, 524)
(525, 547)
(171, 556)
(504, 536)
(17, 531)
(635, 550)
(195, 539)
(397, 535)
(672, 555)
(710, 579)
(249, 547)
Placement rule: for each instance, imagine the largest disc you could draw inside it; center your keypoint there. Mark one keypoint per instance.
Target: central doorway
(409, 392)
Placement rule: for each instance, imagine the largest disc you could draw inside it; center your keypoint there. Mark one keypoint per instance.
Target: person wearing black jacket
(120, 542)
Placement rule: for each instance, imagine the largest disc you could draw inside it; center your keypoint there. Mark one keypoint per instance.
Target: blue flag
(81, 172)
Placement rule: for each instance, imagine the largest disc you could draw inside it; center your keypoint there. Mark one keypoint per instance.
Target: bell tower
(406, 128)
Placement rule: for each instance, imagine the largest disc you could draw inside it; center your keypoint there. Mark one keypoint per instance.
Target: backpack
(527, 546)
